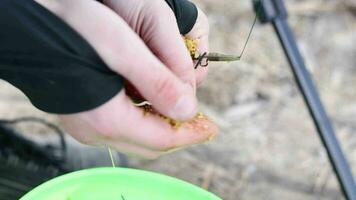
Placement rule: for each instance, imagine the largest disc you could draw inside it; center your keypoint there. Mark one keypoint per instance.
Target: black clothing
(186, 13)
(53, 65)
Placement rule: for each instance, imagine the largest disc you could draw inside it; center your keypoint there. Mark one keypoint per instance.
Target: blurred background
(268, 147)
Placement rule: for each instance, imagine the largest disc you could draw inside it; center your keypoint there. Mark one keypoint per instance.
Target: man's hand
(155, 23)
(118, 123)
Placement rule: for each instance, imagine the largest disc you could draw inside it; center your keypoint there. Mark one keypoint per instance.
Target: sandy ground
(267, 147)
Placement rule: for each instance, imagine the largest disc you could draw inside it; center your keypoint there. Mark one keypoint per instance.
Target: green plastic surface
(117, 184)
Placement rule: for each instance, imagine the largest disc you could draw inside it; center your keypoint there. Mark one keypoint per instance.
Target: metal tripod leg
(274, 11)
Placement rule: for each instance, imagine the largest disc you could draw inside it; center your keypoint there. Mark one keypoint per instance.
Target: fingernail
(185, 108)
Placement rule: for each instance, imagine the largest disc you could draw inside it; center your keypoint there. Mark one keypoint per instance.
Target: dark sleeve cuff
(50, 62)
(186, 13)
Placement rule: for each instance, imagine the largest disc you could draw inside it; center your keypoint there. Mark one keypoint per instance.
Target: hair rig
(203, 59)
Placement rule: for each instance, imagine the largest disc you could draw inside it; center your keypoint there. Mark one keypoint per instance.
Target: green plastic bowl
(117, 184)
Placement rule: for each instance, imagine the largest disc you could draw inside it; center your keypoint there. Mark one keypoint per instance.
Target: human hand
(118, 123)
(156, 24)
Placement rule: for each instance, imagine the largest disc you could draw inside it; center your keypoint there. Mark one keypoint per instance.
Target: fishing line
(250, 33)
(111, 157)
(225, 57)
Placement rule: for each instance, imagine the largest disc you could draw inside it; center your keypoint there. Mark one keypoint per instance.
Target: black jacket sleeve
(51, 63)
(56, 68)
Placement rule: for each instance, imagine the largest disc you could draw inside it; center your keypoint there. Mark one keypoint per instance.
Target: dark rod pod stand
(275, 12)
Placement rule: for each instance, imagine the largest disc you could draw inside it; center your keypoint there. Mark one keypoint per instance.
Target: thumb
(161, 35)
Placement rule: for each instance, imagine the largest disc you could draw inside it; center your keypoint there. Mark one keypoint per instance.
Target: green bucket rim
(161, 178)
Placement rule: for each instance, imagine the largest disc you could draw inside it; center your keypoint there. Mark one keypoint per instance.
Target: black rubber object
(24, 164)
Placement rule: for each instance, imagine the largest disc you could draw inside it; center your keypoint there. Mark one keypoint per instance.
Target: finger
(119, 124)
(125, 53)
(159, 135)
(87, 134)
(120, 121)
(158, 27)
(167, 44)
